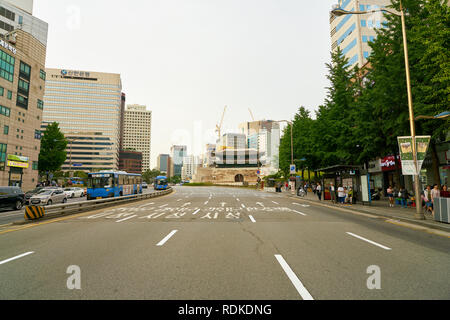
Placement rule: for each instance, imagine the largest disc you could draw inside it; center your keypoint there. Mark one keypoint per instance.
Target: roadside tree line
(367, 109)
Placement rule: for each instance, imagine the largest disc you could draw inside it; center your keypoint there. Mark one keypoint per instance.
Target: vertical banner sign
(407, 156)
(422, 143)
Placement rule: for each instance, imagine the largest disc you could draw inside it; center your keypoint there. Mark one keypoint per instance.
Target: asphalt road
(9, 216)
(222, 243)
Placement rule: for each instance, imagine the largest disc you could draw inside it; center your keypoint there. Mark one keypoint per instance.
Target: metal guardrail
(89, 205)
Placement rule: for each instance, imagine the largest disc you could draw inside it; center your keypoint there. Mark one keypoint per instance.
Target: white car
(74, 192)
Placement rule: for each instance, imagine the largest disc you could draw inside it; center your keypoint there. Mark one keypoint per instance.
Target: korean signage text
(7, 46)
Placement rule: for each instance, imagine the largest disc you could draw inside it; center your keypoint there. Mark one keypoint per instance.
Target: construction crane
(219, 126)
(251, 114)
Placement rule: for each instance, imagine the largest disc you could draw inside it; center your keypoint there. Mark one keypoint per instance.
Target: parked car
(12, 197)
(144, 185)
(74, 192)
(48, 197)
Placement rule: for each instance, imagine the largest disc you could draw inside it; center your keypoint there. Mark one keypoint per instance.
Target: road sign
(258, 172)
(293, 169)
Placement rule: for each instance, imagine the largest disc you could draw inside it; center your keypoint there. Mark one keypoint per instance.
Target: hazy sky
(186, 59)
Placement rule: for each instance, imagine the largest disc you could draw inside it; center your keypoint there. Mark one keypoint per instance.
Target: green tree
(53, 149)
(175, 179)
(427, 27)
(150, 175)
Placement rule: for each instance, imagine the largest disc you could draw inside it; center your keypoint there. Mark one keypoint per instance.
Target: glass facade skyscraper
(87, 106)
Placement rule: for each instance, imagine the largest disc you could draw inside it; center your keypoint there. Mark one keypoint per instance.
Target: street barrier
(442, 209)
(78, 207)
(34, 212)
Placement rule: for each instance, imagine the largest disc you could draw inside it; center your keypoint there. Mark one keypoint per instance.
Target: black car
(11, 197)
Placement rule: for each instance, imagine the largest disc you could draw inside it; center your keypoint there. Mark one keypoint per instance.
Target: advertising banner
(407, 156)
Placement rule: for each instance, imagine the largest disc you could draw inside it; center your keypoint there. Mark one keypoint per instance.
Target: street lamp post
(339, 12)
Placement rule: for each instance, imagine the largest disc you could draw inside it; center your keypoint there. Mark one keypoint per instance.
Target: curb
(377, 215)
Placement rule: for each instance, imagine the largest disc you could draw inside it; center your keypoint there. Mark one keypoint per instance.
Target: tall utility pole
(339, 12)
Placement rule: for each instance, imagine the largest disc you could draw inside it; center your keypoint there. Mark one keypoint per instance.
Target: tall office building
(87, 107)
(137, 132)
(177, 153)
(209, 156)
(163, 163)
(189, 169)
(352, 33)
(17, 15)
(22, 82)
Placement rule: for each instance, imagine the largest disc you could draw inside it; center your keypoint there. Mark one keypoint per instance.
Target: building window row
(52, 93)
(82, 84)
(5, 111)
(66, 99)
(94, 90)
(7, 66)
(6, 26)
(58, 102)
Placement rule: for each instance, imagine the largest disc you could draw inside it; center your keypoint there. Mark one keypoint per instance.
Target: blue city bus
(161, 183)
(110, 184)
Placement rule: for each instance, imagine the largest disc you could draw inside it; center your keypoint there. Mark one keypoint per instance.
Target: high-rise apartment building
(177, 153)
(353, 33)
(209, 156)
(22, 82)
(17, 15)
(137, 132)
(87, 107)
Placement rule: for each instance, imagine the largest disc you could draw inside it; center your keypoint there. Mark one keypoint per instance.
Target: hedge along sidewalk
(379, 208)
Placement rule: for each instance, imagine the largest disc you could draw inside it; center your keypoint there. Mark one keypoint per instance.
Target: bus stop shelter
(345, 175)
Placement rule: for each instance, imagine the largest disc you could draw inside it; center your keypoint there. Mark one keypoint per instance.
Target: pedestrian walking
(306, 189)
(319, 191)
(332, 193)
(287, 186)
(390, 194)
(427, 199)
(435, 193)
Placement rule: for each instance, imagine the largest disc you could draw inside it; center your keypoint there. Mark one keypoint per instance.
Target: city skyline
(191, 55)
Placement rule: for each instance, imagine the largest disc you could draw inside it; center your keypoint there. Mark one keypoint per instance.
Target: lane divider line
(369, 241)
(253, 219)
(206, 203)
(303, 214)
(16, 257)
(127, 218)
(145, 205)
(163, 241)
(243, 205)
(196, 212)
(164, 205)
(294, 279)
(275, 202)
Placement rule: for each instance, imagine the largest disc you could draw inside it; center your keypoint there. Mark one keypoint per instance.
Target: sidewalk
(379, 208)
